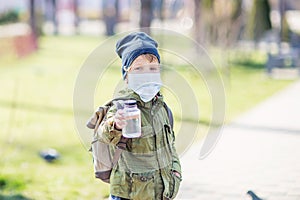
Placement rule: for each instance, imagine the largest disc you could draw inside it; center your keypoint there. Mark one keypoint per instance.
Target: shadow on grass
(13, 197)
(248, 60)
(10, 188)
(250, 64)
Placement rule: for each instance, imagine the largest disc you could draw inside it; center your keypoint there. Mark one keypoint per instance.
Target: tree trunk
(146, 15)
(110, 13)
(54, 18)
(76, 16)
(260, 20)
(51, 14)
(32, 17)
(198, 32)
(32, 22)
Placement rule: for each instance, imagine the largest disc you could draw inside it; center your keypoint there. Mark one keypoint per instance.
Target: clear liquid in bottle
(133, 120)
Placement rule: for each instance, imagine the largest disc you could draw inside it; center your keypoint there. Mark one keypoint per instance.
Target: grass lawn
(36, 113)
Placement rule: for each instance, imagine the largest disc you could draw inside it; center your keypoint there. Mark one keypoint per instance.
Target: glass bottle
(133, 120)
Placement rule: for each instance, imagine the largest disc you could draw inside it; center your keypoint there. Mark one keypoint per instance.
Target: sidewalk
(260, 151)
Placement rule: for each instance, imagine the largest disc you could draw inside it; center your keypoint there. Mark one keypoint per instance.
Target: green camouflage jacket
(145, 169)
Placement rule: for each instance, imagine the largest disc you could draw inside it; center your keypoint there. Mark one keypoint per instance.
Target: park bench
(286, 63)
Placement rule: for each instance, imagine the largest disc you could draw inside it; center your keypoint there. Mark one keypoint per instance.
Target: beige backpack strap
(120, 147)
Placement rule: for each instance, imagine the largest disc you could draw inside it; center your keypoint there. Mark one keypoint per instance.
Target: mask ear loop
(126, 70)
(126, 73)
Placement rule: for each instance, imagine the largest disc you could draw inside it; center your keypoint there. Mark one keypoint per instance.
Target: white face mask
(146, 85)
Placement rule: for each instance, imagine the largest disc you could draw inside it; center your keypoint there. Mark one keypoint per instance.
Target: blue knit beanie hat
(133, 45)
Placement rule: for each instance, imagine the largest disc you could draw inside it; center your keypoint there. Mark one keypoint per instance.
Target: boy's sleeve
(107, 132)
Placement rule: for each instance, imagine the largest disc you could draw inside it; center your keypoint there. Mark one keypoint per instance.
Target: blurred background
(254, 45)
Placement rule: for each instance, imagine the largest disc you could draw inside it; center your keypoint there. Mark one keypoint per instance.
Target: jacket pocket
(118, 183)
(169, 137)
(143, 187)
(172, 186)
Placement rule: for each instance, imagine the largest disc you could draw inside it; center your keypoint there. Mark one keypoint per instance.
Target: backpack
(103, 160)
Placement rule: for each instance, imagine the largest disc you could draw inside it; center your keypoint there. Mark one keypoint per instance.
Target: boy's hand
(177, 174)
(120, 121)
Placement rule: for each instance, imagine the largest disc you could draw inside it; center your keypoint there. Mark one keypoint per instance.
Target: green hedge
(10, 16)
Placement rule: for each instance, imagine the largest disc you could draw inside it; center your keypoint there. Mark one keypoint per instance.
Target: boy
(149, 168)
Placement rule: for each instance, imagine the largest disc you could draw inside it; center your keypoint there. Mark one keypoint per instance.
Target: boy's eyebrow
(138, 63)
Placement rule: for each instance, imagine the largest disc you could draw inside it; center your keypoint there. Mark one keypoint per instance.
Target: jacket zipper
(155, 137)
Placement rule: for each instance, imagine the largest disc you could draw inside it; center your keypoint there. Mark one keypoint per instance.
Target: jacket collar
(130, 94)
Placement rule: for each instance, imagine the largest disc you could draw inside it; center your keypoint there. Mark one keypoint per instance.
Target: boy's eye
(154, 69)
(145, 68)
(137, 69)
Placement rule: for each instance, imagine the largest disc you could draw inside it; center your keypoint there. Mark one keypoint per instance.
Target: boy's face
(143, 77)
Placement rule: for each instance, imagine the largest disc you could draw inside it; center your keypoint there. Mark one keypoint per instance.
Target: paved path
(260, 151)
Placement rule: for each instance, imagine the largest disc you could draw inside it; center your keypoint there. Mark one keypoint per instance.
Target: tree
(221, 20)
(284, 26)
(51, 10)
(110, 15)
(198, 32)
(76, 14)
(146, 15)
(32, 22)
(260, 20)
